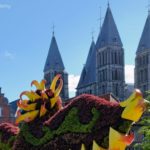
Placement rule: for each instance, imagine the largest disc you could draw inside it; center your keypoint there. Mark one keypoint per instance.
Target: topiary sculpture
(87, 122)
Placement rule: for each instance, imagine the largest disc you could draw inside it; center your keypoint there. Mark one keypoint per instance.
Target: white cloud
(5, 6)
(73, 81)
(129, 73)
(9, 55)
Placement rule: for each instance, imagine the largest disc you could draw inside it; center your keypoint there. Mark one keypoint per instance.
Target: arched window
(116, 74)
(0, 111)
(145, 75)
(141, 75)
(113, 74)
(147, 59)
(116, 89)
(105, 58)
(103, 89)
(102, 58)
(115, 57)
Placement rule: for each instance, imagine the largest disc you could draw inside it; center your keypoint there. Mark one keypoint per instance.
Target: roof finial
(92, 33)
(148, 7)
(108, 4)
(100, 19)
(53, 29)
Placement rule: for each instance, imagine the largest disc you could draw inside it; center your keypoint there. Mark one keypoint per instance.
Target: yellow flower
(41, 97)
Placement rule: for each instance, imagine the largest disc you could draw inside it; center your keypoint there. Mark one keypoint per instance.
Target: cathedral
(103, 72)
(104, 69)
(142, 60)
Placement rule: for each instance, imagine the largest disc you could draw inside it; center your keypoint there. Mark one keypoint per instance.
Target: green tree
(145, 129)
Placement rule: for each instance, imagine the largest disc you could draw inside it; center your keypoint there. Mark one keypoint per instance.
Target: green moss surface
(7, 146)
(71, 124)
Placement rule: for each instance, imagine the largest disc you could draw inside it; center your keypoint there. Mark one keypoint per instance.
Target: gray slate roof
(88, 75)
(13, 105)
(109, 34)
(54, 60)
(145, 38)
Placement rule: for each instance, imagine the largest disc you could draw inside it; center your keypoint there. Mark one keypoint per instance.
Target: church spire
(148, 7)
(88, 75)
(54, 60)
(109, 33)
(53, 66)
(53, 28)
(109, 59)
(145, 37)
(108, 4)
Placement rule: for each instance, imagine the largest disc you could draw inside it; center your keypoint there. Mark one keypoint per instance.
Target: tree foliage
(145, 129)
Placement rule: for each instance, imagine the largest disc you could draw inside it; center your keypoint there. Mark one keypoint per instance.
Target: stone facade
(110, 71)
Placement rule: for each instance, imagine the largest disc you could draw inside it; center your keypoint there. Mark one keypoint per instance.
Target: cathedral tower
(142, 60)
(110, 59)
(54, 65)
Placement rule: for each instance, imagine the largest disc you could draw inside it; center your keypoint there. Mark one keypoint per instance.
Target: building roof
(109, 97)
(145, 38)
(13, 105)
(109, 34)
(54, 60)
(88, 75)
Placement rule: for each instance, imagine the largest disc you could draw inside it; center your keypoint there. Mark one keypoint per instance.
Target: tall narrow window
(103, 89)
(116, 74)
(116, 89)
(0, 111)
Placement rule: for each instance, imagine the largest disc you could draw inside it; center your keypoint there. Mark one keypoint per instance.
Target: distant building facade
(5, 110)
(142, 60)
(142, 73)
(107, 63)
(54, 65)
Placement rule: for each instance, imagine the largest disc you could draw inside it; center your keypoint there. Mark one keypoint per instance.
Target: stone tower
(87, 82)
(142, 60)
(110, 59)
(54, 65)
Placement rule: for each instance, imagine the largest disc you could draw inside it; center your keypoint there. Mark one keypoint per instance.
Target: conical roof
(54, 60)
(145, 38)
(109, 34)
(88, 75)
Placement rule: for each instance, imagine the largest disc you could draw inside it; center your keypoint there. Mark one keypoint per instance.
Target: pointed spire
(92, 33)
(148, 7)
(100, 19)
(145, 38)
(88, 74)
(108, 4)
(53, 30)
(109, 34)
(54, 60)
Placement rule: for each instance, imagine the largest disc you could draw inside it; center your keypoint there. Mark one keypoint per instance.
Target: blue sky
(26, 30)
